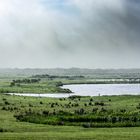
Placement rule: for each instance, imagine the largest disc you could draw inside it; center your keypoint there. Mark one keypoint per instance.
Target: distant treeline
(24, 81)
(60, 77)
(94, 73)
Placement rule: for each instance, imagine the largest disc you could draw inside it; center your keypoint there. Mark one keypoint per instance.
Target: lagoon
(91, 90)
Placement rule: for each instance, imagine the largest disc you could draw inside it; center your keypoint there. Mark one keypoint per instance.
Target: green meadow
(40, 118)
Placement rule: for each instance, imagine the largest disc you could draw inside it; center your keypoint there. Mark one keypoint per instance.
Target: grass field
(12, 129)
(76, 118)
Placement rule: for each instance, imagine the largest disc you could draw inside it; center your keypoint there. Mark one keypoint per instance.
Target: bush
(138, 107)
(3, 108)
(87, 125)
(74, 97)
(99, 103)
(52, 105)
(61, 123)
(45, 112)
(94, 109)
(30, 105)
(4, 99)
(85, 104)
(91, 100)
(123, 110)
(3, 130)
(80, 111)
(103, 110)
(90, 103)
(41, 102)
(7, 103)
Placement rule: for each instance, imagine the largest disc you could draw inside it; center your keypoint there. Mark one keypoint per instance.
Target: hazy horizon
(70, 33)
(109, 68)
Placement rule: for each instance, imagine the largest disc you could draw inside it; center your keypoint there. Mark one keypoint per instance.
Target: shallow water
(91, 90)
(51, 95)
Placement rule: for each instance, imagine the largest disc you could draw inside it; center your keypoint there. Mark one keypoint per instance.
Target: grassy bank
(39, 87)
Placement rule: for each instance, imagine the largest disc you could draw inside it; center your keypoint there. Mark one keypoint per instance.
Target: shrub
(91, 100)
(30, 105)
(45, 112)
(52, 105)
(86, 125)
(61, 123)
(41, 102)
(7, 103)
(99, 103)
(4, 108)
(4, 99)
(94, 109)
(3, 130)
(76, 105)
(90, 103)
(103, 110)
(85, 104)
(74, 97)
(123, 110)
(80, 111)
(138, 107)
(114, 119)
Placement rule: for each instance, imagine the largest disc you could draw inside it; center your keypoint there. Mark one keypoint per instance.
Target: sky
(69, 33)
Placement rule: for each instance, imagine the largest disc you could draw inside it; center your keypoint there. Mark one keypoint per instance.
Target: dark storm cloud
(116, 25)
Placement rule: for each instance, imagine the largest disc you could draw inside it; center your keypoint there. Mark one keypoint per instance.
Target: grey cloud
(102, 34)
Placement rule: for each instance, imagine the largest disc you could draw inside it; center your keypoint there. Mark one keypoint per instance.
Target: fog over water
(70, 33)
